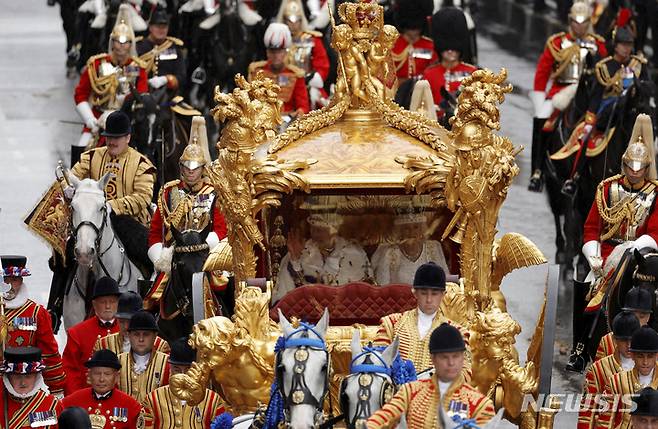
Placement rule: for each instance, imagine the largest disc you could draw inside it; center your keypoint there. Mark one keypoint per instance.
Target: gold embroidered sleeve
(138, 202)
(389, 415)
(82, 168)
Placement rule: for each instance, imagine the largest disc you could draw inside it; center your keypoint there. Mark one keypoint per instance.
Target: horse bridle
(366, 373)
(299, 392)
(182, 302)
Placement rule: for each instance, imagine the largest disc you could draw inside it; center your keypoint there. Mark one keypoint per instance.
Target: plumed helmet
(644, 340)
(624, 325)
(277, 36)
(639, 153)
(422, 100)
(196, 153)
(430, 276)
(646, 401)
(445, 339)
(580, 12)
(291, 10)
(412, 14)
(450, 30)
(123, 29)
(622, 35)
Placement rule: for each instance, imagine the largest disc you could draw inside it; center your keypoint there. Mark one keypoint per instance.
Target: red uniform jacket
(598, 375)
(120, 410)
(293, 86)
(38, 410)
(84, 91)
(594, 223)
(546, 63)
(439, 76)
(421, 54)
(78, 350)
(319, 58)
(31, 325)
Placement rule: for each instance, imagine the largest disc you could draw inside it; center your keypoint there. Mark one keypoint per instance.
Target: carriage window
(339, 239)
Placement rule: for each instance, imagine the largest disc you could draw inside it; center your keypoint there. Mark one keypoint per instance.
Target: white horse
(97, 248)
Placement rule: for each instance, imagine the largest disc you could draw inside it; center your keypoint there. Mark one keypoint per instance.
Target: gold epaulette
(550, 40)
(639, 57)
(171, 184)
(176, 40)
(298, 71)
(313, 33)
(164, 210)
(597, 37)
(602, 73)
(139, 39)
(427, 38)
(92, 60)
(143, 64)
(608, 180)
(255, 66)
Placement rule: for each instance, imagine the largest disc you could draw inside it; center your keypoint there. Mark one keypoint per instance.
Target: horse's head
(302, 372)
(641, 97)
(88, 216)
(190, 251)
(370, 384)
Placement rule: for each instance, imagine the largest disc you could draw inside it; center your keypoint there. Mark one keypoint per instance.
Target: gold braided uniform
(596, 379)
(114, 342)
(130, 190)
(623, 383)
(419, 401)
(412, 347)
(140, 385)
(606, 347)
(162, 410)
(614, 84)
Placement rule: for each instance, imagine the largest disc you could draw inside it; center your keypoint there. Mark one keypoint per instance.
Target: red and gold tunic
(563, 60)
(623, 383)
(412, 347)
(114, 342)
(140, 385)
(606, 346)
(117, 411)
(78, 350)
(412, 60)
(449, 78)
(309, 54)
(30, 325)
(419, 401)
(162, 410)
(41, 410)
(596, 379)
(291, 81)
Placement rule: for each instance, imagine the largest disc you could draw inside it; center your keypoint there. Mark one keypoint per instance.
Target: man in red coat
(450, 34)
(83, 336)
(27, 403)
(412, 52)
(290, 78)
(106, 80)
(561, 63)
(30, 324)
(108, 407)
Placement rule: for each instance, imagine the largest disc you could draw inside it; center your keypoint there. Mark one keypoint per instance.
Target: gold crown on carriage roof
(123, 30)
(639, 153)
(196, 153)
(365, 18)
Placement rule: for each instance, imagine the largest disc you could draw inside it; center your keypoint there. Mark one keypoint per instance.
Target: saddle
(596, 143)
(134, 238)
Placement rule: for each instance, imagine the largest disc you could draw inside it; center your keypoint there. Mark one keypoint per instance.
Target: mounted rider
(614, 75)
(563, 62)
(307, 51)
(107, 80)
(190, 203)
(412, 52)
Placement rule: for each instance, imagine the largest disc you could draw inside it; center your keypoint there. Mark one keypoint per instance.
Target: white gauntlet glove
(592, 252)
(87, 116)
(161, 257)
(157, 81)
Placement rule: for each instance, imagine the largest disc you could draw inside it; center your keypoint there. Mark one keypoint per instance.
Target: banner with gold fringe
(50, 219)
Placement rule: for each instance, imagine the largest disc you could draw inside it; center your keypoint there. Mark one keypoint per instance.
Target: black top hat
(181, 352)
(106, 286)
(104, 358)
(430, 276)
(412, 14)
(143, 321)
(624, 325)
(647, 403)
(22, 360)
(638, 299)
(129, 303)
(117, 124)
(159, 16)
(14, 266)
(623, 35)
(446, 338)
(74, 418)
(644, 340)
(450, 30)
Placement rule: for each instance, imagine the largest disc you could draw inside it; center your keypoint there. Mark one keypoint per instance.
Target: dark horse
(570, 213)
(176, 310)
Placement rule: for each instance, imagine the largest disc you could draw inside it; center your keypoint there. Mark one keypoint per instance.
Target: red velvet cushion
(347, 304)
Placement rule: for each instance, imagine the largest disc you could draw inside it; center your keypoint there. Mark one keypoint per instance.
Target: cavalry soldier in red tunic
(29, 324)
(420, 400)
(450, 34)
(562, 63)
(288, 76)
(307, 51)
(107, 406)
(190, 203)
(412, 52)
(624, 326)
(27, 403)
(164, 411)
(83, 336)
(106, 80)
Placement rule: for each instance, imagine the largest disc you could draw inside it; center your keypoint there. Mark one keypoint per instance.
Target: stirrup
(578, 359)
(569, 188)
(536, 183)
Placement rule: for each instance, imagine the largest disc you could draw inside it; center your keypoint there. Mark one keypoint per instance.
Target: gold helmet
(580, 12)
(196, 153)
(422, 100)
(123, 30)
(639, 153)
(293, 11)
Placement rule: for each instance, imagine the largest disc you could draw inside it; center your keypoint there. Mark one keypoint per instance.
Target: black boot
(76, 151)
(537, 155)
(579, 357)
